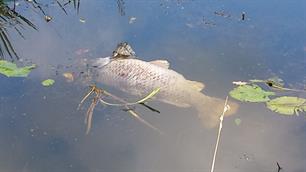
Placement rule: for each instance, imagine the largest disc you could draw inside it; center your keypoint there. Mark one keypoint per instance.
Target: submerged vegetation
(100, 94)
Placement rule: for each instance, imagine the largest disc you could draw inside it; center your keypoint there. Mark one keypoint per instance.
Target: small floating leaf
(47, 82)
(10, 69)
(251, 93)
(287, 105)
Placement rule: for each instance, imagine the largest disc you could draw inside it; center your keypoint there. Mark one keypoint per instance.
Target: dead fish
(138, 77)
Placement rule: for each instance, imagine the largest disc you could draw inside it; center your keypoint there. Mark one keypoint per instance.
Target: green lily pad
(48, 82)
(251, 93)
(287, 105)
(10, 69)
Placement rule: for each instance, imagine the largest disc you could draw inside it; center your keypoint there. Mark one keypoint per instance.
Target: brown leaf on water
(69, 76)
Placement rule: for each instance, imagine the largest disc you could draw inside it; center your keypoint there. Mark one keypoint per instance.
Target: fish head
(100, 62)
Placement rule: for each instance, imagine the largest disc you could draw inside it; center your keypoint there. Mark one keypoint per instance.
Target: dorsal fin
(199, 86)
(161, 63)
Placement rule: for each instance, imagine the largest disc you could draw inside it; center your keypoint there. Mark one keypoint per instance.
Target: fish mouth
(100, 62)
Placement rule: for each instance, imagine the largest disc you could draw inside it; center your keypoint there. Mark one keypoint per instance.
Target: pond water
(207, 41)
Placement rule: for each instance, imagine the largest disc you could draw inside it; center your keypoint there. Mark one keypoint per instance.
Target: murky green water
(42, 130)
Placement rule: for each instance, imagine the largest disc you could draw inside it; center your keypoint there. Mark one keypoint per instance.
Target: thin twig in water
(149, 107)
(226, 108)
(279, 168)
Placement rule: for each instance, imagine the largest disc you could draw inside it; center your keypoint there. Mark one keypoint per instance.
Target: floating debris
(10, 69)
(222, 14)
(279, 168)
(82, 20)
(207, 22)
(243, 16)
(132, 20)
(239, 83)
(69, 76)
(48, 18)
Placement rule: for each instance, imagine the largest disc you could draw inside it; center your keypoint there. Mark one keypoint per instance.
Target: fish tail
(210, 109)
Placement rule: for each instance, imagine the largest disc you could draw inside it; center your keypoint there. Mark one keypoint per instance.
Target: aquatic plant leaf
(10, 69)
(48, 82)
(250, 93)
(287, 105)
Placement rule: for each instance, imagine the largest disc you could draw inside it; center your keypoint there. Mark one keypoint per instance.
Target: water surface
(42, 130)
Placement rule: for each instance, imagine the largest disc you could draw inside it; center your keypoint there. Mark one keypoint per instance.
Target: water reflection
(13, 21)
(10, 19)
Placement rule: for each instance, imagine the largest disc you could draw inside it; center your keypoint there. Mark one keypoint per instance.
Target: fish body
(140, 78)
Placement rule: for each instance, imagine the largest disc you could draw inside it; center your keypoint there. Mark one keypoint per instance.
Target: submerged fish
(139, 78)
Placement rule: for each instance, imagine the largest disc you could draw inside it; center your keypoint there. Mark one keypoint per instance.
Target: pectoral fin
(199, 86)
(161, 63)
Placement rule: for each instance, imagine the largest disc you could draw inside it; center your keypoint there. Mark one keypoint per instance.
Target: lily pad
(47, 82)
(251, 93)
(10, 69)
(287, 105)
